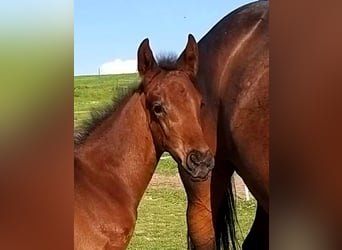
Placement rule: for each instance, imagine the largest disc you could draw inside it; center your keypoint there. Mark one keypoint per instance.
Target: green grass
(162, 224)
(161, 220)
(167, 166)
(95, 92)
(161, 215)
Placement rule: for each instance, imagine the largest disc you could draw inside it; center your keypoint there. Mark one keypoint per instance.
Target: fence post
(247, 193)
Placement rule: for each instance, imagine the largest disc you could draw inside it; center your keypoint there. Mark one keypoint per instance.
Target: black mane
(98, 116)
(167, 61)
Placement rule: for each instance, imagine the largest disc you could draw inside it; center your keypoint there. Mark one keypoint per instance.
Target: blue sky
(110, 30)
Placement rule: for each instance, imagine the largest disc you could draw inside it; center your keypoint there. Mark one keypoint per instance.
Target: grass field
(93, 92)
(161, 215)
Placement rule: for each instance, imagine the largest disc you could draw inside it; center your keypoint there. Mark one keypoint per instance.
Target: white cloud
(119, 66)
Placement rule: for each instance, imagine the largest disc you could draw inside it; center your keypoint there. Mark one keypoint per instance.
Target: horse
(117, 153)
(232, 77)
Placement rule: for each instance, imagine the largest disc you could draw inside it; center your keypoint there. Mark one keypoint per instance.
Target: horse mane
(99, 115)
(167, 61)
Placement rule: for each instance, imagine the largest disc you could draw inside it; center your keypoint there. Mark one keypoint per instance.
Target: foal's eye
(157, 109)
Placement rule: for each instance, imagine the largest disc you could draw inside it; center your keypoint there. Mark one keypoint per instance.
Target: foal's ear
(188, 60)
(146, 61)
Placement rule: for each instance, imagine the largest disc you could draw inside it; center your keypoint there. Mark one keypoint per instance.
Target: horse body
(110, 177)
(115, 160)
(233, 80)
(238, 51)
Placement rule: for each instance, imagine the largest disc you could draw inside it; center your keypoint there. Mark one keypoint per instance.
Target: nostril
(197, 157)
(199, 163)
(194, 159)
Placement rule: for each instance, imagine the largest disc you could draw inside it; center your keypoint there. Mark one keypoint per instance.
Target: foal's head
(174, 107)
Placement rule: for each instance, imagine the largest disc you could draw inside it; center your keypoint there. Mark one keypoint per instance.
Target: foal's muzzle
(199, 164)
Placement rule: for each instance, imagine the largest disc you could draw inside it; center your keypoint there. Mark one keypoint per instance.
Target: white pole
(247, 193)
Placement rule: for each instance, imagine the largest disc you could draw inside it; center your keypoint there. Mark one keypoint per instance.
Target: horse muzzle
(199, 165)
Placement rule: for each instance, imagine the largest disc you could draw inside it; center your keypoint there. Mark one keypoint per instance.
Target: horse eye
(157, 109)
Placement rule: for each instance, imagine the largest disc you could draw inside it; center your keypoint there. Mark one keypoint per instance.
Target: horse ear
(188, 60)
(146, 61)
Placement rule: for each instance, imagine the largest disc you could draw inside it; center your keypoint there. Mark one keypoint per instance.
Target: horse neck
(119, 155)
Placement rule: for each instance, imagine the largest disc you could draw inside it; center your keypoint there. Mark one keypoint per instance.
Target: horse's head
(174, 106)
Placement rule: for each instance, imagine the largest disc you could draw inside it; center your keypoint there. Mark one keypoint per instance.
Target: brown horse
(233, 81)
(116, 157)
